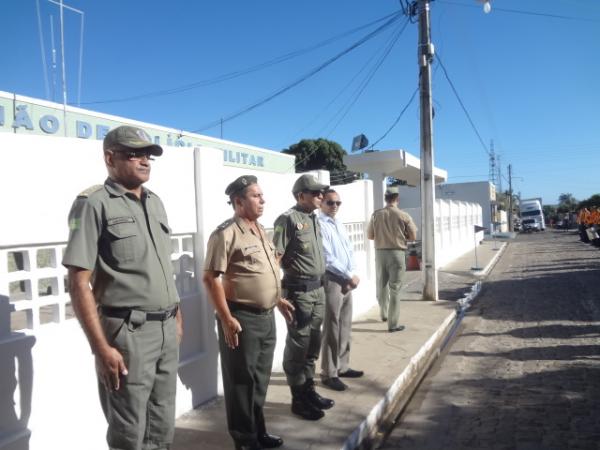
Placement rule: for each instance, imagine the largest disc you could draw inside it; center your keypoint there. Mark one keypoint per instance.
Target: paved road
(524, 369)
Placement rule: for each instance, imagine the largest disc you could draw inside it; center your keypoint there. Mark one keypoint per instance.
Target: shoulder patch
(225, 224)
(89, 191)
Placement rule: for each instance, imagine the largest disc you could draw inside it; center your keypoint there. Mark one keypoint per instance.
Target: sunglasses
(134, 155)
(314, 193)
(331, 203)
(137, 155)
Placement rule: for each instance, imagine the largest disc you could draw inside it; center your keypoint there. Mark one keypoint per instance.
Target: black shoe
(384, 319)
(351, 373)
(314, 398)
(398, 328)
(269, 440)
(305, 409)
(334, 383)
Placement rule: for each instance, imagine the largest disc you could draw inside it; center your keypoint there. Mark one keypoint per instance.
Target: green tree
(566, 203)
(321, 154)
(594, 200)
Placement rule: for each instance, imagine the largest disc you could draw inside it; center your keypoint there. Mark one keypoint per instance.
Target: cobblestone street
(523, 371)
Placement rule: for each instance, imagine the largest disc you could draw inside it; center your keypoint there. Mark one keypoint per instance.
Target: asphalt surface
(523, 371)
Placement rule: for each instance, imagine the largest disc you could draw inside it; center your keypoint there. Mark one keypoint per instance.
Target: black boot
(314, 398)
(302, 407)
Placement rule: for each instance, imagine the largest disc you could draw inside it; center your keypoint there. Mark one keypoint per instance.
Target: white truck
(532, 215)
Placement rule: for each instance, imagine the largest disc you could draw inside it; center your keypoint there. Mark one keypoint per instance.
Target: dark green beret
(240, 183)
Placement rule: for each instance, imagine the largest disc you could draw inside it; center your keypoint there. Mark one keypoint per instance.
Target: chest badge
(299, 226)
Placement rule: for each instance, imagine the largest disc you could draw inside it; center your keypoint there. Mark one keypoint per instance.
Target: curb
(372, 431)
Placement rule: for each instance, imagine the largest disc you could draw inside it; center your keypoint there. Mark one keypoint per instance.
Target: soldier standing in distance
(120, 243)
(240, 254)
(298, 244)
(390, 228)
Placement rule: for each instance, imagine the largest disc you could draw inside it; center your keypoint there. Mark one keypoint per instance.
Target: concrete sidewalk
(393, 363)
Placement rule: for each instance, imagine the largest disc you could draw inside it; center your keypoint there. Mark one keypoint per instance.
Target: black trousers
(246, 373)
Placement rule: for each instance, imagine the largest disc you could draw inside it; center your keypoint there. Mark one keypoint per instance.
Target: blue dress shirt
(339, 257)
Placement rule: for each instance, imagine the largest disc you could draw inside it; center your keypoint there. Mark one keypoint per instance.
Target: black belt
(124, 313)
(237, 306)
(302, 284)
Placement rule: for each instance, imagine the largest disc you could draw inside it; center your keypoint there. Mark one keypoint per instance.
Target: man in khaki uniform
(390, 228)
(240, 254)
(297, 239)
(120, 243)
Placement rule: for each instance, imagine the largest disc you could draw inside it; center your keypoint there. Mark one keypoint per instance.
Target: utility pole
(425, 55)
(510, 200)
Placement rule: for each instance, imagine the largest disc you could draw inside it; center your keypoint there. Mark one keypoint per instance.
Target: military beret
(307, 183)
(240, 183)
(391, 190)
(130, 137)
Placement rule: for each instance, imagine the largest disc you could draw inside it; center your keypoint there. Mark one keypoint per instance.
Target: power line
(527, 13)
(361, 88)
(462, 105)
(238, 73)
(412, 97)
(303, 78)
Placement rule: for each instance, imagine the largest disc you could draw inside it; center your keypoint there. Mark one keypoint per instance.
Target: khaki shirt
(297, 237)
(126, 242)
(247, 262)
(390, 228)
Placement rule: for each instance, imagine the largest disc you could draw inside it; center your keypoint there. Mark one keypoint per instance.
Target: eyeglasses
(137, 155)
(331, 203)
(314, 193)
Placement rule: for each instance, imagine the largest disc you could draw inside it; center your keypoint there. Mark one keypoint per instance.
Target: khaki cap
(308, 183)
(240, 183)
(391, 190)
(130, 137)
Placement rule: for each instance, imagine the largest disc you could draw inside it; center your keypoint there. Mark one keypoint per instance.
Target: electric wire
(303, 78)
(528, 13)
(337, 96)
(412, 97)
(439, 59)
(370, 76)
(238, 73)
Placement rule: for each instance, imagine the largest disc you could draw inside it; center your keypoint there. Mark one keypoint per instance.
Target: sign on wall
(32, 116)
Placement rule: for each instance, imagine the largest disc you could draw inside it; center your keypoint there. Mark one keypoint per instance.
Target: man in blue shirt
(340, 280)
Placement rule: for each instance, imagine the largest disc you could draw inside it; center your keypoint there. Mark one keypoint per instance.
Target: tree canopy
(566, 203)
(594, 200)
(321, 154)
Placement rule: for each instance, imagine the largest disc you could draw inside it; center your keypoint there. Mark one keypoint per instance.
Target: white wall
(39, 179)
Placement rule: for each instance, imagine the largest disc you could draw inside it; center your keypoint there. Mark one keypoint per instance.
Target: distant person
(390, 228)
(242, 279)
(123, 294)
(340, 280)
(297, 240)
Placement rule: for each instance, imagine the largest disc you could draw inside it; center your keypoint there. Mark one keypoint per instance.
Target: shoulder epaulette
(225, 224)
(288, 212)
(89, 191)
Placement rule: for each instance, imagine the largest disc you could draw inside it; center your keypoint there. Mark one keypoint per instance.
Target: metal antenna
(42, 48)
(53, 58)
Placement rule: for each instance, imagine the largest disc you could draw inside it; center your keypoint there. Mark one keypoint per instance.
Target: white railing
(35, 281)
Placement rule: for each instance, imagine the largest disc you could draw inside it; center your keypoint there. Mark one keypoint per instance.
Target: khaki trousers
(391, 267)
(337, 328)
(141, 414)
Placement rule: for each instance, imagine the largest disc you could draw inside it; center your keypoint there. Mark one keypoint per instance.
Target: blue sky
(528, 80)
